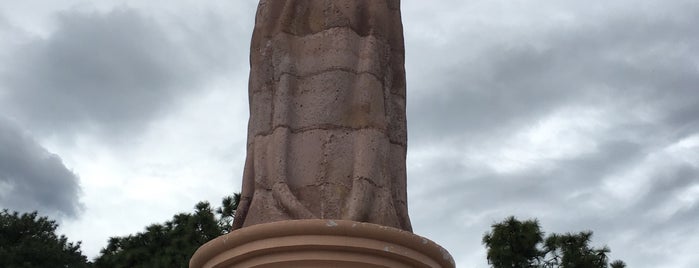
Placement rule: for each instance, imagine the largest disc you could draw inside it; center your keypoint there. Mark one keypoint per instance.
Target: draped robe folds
(327, 130)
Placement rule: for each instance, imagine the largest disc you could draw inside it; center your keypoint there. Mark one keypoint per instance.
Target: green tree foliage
(516, 244)
(617, 264)
(573, 250)
(513, 243)
(226, 212)
(28, 240)
(170, 244)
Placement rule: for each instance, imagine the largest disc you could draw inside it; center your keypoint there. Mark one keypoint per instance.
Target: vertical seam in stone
(322, 178)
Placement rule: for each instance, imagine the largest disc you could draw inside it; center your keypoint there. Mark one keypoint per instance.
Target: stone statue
(327, 130)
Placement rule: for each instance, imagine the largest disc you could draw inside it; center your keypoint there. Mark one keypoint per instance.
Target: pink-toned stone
(321, 243)
(327, 131)
(324, 183)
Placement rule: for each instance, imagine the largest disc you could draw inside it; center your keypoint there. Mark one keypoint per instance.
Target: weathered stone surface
(327, 132)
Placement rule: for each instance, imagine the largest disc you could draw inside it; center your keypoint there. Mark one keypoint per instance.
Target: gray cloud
(110, 72)
(638, 61)
(636, 70)
(31, 178)
(570, 196)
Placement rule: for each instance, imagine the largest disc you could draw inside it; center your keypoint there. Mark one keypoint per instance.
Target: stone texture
(327, 131)
(321, 243)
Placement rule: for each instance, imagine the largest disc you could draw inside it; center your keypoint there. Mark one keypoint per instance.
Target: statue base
(320, 243)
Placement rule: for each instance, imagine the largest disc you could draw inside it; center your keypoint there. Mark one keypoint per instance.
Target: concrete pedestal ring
(320, 243)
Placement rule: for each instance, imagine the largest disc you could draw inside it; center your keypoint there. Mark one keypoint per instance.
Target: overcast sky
(583, 114)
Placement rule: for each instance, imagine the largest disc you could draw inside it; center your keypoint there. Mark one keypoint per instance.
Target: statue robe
(327, 130)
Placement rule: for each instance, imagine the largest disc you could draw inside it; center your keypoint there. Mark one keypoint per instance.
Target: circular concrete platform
(320, 243)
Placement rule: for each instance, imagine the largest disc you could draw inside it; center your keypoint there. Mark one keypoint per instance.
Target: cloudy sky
(118, 114)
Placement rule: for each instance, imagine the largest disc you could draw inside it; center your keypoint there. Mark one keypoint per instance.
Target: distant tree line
(27, 240)
(170, 244)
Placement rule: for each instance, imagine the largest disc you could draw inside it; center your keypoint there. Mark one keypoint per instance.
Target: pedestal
(320, 243)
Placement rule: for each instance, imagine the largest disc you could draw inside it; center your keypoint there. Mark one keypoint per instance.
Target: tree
(172, 243)
(617, 264)
(226, 212)
(28, 240)
(573, 251)
(515, 244)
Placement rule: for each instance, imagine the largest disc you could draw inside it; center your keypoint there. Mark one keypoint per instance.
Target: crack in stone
(328, 70)
(318, 127)
(271, 82)
(269, 85)
(360, 178)
(323, 127)
(404, 144)
(383, 38)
